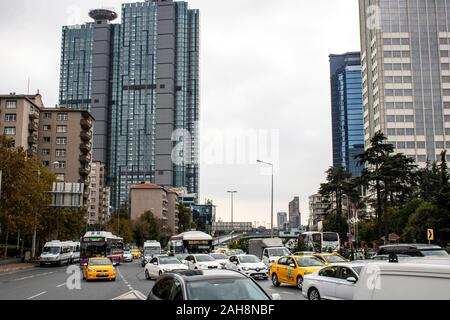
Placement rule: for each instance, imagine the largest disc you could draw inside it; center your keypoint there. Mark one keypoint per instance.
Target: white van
(74, 252)
(56, 253)
(412, 279)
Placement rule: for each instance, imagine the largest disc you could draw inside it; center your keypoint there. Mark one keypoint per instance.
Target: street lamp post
(271, 212)
(232, 206)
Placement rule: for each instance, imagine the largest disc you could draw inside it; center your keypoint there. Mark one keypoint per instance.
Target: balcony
(86, 124)
(86, 147)
(32, 139)
(85, 158)
(33, 126)
(85, 171)
(33, 115)
(86, 135)
(31, 153)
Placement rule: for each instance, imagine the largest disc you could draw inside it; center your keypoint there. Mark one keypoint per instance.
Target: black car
(207, 285)
(412, 250)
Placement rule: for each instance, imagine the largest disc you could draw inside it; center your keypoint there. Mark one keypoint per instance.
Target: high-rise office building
(406, 74)
(140, 80)
(347, 111)
(281, 219)
(294, 213)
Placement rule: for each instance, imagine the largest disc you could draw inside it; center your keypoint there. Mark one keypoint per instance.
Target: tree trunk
(379, 210)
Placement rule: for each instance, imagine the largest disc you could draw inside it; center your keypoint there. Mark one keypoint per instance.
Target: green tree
(339, 183)
(121, 226)
(425, 217)
(147, 227)
(184, 218)
(329, 224)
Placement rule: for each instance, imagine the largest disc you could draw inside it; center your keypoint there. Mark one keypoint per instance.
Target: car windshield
(204, 258)
(100, 262)
(219, 256)
(225, 289)
(181, 256)
(430, 253)
(127, 252)
(52, 250)
(249, 259)
(334, 259)
(309, 262)
(330, 236)
(279, 252)
(169, 260)
(151, 251)
(357, 270)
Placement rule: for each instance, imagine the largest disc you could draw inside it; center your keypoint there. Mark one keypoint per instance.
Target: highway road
(60, 283)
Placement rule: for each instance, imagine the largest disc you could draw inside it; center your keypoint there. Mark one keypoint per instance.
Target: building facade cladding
(160, 201)
(76, 66)
(19, 120)
(281, 219)
(98, 202)
(294, 213)
(153, 91)
(347, 111)
(406, 74)
(318, 207)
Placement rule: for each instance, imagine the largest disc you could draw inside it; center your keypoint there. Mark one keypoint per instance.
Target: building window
(47, 139)
(47, 115)
(63, 117)
(10, 131)
(46, 163)
(60, 152)
(61, 129)
(61, 177)
(45, 152)
(47, 127)
(10, 117)
(12, 104)
(60, 165)
(61, 141)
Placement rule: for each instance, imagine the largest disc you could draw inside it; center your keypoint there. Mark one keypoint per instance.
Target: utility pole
(271, 212)
(232, 205)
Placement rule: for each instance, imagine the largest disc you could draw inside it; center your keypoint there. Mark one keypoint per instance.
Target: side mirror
(85, 264)
(292, 265)
(155, 263)
(235, 262)
(276, 296)
(352, 280)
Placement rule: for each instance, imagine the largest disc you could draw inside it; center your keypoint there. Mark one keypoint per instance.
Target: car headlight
(90, 270)
(166, 270)
(245, 269)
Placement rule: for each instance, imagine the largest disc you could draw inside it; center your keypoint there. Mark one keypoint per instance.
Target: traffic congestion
(192, 267)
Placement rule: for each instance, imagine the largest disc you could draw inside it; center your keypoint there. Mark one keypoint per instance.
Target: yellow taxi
(292, 269)
(136, 253)
(330, 258)
(99, 268)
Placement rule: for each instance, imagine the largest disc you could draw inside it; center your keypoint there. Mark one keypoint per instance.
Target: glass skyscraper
(347, 111)
(140, 80)
(405, 58)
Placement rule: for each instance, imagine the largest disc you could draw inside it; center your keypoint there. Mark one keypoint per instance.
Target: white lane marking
(35, 275)
(62, 284)
(37, 295)
(125, 281)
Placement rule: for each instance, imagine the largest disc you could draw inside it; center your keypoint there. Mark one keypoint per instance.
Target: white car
(127, 256)
(160, 264)
(221, 258)
(201, 262)
(412, 279)
(250, 265)
(333, 282)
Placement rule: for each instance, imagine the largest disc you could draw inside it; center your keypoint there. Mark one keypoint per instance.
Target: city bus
(320, 241)
(191, 242)
(101, 244)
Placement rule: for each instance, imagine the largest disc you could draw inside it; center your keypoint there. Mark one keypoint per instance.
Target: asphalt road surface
(64, 283)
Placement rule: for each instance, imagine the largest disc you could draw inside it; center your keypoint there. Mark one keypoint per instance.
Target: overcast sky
(264, 69)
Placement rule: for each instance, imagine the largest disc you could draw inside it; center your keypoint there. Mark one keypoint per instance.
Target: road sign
(430, 234)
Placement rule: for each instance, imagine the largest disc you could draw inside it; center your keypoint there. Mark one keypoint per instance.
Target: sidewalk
(16, 267)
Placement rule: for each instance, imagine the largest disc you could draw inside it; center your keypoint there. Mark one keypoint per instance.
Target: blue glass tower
(140, 79)
(347, 110)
